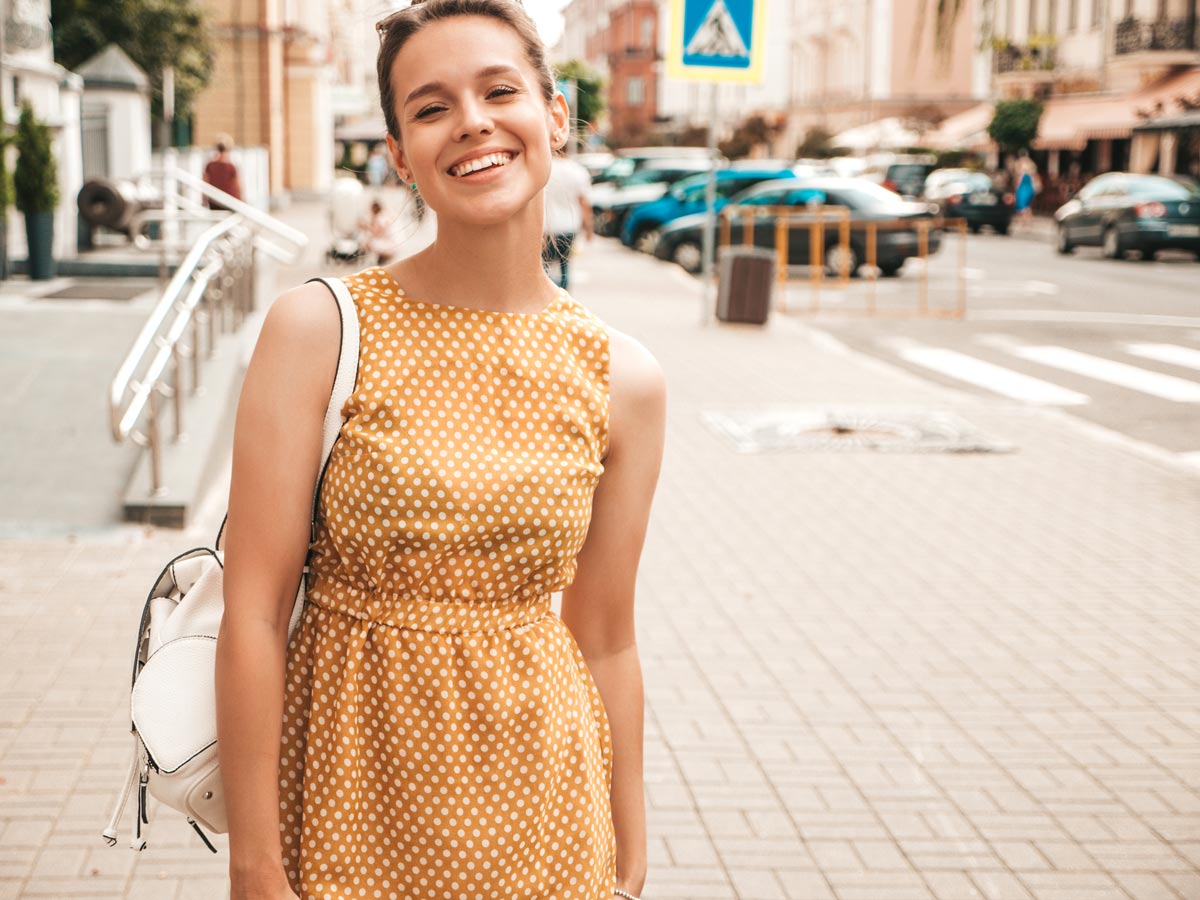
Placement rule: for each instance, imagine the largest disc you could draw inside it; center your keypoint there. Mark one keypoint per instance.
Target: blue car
(685, 198)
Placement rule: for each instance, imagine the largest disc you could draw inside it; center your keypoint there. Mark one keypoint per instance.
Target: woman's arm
(598, 606)
(276, 454)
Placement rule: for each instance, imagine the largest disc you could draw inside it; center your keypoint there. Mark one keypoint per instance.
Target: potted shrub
(5, 193)
(35, 184)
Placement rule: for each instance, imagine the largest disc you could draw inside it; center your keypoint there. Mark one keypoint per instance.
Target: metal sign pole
(170, 235)
(708, 298)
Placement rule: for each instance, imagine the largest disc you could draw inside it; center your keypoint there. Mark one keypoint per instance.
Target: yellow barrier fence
(816, 219)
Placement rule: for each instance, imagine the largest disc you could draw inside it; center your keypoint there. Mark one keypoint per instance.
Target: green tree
(817, 144)
(155, 34)
(1014, 125)
(751, 132)
(6, 186)
(589, 90)
(35, 181)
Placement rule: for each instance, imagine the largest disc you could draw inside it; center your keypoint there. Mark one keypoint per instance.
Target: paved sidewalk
(868, 675)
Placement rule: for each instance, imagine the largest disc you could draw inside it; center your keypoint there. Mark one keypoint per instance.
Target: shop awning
(966, 130)
(1068, 123)
(1185, 122)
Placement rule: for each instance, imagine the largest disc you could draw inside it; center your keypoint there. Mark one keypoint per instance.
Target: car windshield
(647, 176)
(868, 196)
(619, 168)
(975, 181)
(686, 188)
(1153, 187)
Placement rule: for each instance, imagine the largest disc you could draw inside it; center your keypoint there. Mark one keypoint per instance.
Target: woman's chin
(484, 212)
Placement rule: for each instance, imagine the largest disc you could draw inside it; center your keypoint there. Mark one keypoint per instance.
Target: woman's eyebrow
(433, 87)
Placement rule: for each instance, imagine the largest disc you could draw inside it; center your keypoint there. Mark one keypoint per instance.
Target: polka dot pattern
(443, 738)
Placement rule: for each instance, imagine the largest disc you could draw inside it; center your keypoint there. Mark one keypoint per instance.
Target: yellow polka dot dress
(443, 738)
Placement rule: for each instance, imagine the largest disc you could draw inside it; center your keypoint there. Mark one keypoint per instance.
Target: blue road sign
(717, 40)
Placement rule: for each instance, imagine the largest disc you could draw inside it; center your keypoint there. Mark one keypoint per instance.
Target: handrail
(211, 286)
(268, 223)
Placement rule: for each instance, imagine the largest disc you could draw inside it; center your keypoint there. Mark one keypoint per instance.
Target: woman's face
(476, 132)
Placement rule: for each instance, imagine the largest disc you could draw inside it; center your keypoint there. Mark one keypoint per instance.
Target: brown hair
(397, 28)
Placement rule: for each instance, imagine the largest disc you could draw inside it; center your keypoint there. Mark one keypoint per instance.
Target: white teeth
(482, 162)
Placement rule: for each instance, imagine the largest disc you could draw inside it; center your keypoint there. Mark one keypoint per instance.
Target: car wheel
(891, 270)
(1148, 255)
(1112, 243)
(837, 255)
(1064, 243)
(1002, 229)
(975, 229)
(689, 255)
(645, 239)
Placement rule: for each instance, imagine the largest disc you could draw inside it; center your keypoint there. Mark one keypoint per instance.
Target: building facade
(1103, 69)
(860, 61)
(272, 86)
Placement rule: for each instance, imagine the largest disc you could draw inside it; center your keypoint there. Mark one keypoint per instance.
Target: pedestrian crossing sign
(717, 40)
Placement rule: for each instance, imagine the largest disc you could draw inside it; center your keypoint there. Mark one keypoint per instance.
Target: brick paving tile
(1147, 887)
(867, 675)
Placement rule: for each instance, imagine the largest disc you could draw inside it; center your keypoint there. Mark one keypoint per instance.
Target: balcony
(1138, 36)
(1010, 58)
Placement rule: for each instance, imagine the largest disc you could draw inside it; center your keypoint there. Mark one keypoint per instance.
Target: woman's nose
(474, 120)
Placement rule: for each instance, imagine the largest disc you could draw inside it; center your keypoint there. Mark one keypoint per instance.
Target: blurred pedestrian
(567, 209)
(1027, 185)
(381, 236)
(434, 726)
(377, 166)
(221, 172)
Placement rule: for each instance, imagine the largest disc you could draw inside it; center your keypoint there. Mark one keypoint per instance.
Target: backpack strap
(343, 385)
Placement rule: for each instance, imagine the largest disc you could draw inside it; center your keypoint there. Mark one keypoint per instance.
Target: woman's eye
(427, 111)
(501, 91)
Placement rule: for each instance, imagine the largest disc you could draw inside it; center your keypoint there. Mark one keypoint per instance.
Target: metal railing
(817, 221)
(211, 293)
(1133, 35)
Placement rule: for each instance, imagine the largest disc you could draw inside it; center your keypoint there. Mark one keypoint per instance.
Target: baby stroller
(347, 205)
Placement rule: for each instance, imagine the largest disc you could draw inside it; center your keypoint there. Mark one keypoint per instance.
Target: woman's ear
(397, 155)
(560, 121)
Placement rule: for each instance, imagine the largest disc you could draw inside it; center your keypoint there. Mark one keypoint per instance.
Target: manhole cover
(851, 428)
(115, 289)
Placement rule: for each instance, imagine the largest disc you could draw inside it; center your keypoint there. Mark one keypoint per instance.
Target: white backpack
(173, 699)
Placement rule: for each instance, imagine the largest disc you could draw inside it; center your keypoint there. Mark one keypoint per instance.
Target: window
(1073, 15)
(647, 32)
(635, 91)
(1097, 13)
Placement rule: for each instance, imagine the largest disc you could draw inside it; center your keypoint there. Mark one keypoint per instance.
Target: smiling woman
(433, 729)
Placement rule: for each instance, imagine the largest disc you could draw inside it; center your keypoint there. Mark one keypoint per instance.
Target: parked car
(1121, 211)
(904, 175)
(964, 194)
(631, 159)
(681, 240)
(594, 161)
(687, 197)
(611, 203)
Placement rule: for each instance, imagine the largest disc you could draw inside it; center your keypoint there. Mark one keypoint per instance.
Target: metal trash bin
(745, 276)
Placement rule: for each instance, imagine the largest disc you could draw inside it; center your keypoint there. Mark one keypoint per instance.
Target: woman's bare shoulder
(298, 347)
(633, 369)
(637, 387)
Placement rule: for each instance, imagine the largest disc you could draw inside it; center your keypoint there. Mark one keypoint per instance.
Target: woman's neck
(495, 267)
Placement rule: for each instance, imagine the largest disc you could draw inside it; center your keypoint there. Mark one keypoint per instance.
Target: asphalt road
(1113, 342)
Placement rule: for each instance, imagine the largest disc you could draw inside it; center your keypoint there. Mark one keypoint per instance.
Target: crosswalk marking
(1168, 387)
(994, 378)
(1172, 354)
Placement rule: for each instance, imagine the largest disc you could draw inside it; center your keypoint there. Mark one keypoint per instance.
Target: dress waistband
(423, 614)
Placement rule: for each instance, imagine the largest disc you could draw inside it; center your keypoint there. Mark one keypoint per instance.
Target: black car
(963, 194)
(680, 241)
(1121, 211)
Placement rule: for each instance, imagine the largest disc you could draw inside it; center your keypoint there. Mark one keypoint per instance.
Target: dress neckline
(560, 296)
